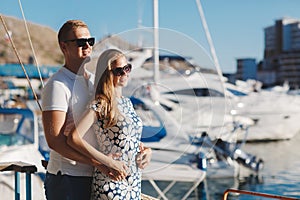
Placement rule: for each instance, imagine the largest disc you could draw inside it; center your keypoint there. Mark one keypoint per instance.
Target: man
(67, 179)
(64, 98)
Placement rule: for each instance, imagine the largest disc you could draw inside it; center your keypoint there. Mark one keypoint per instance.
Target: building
(246, 69)
(282, 53)
(281, 62)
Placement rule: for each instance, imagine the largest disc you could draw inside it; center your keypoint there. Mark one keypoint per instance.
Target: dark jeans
(65, 187)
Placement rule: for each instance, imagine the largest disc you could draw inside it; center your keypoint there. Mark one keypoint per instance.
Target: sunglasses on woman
(81, 42)
(120, 71)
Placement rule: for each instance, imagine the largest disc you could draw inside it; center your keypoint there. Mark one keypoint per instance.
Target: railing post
(17, 186)
(28, 186)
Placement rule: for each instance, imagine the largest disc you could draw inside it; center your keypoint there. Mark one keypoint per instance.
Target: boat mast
(208, 37)
(156, 41)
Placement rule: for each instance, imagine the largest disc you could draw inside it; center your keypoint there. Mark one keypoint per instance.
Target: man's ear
(62, 46)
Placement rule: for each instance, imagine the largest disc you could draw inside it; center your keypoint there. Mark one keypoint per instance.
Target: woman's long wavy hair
(105, 90)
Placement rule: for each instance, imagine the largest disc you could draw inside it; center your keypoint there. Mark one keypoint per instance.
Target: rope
(30, 42)
(20, 61)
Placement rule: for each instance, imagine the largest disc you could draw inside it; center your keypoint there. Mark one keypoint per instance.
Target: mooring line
(31, 45)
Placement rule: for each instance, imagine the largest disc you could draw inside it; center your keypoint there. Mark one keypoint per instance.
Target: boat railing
(17, 168)
(251, 193)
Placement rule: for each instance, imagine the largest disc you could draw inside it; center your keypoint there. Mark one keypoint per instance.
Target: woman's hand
(144, 157)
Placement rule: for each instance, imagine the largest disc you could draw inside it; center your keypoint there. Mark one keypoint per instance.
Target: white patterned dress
(122, 138)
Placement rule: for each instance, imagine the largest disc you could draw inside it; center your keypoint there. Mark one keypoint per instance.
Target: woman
(117, 127)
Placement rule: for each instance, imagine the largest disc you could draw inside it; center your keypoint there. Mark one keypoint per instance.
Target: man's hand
(112, 173)
(144, 157)
(115, 174)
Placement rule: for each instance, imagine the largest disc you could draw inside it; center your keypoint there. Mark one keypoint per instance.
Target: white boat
(19, 136)
(199, 102)
(275, 113)
(171, 145)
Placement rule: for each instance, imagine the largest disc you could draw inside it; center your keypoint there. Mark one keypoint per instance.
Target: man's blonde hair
(68, 26)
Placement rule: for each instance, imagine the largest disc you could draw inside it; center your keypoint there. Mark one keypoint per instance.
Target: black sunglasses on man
(81, 42)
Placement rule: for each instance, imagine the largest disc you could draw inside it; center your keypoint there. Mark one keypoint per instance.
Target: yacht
(20, 133)
(172, 146)
(275, 113)
(201, 101)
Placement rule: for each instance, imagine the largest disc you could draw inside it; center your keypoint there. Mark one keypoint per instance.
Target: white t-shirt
(71, 93)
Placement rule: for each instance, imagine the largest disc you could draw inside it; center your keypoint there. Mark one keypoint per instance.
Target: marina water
(280, 176)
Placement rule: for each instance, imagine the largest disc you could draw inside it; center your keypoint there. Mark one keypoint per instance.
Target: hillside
(44, 41)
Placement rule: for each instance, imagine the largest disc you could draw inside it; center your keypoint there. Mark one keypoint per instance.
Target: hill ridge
(44, 42)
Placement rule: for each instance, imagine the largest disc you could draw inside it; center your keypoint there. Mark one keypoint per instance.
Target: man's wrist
(95, 163)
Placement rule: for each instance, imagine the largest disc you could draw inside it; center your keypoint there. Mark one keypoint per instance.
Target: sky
(236, 26)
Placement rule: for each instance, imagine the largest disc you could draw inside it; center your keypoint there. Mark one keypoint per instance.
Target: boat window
(15, 130)
(189, 92)
(9, 123)
(205, 92)
(236, 92)
(199, 92)
(27, 129)
(12, 139)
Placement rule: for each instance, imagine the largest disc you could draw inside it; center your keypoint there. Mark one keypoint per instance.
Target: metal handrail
(20, 167)
(256, 194)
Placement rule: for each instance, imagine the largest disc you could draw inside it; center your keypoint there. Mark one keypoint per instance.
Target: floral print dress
(122, 138)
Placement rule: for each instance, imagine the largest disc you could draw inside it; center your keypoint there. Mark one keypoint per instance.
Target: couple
(92, 130)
